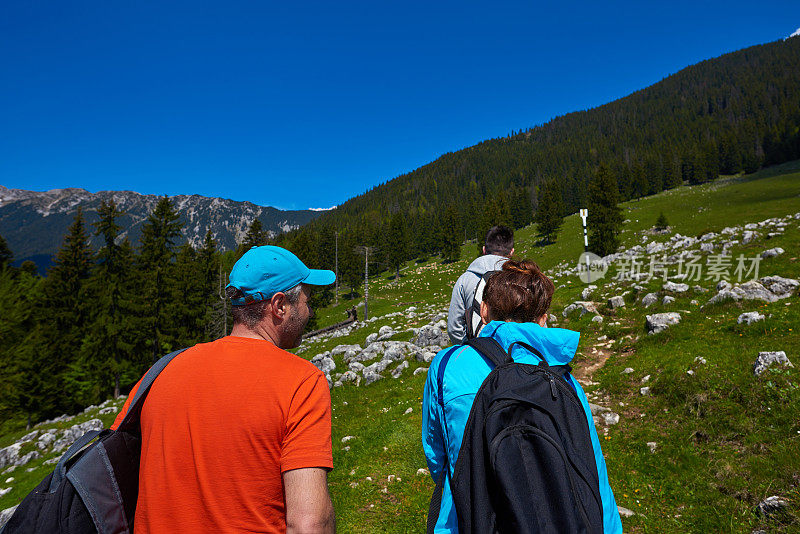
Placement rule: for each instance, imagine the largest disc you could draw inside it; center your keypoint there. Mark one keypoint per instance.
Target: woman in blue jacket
(514, 308)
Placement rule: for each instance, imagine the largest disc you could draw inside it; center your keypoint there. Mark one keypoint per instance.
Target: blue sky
(300, 105)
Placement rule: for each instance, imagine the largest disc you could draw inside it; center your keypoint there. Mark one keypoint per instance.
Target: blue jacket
(464, 375)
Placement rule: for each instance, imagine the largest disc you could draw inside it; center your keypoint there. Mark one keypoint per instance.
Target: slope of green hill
(697, 453)
(725, 440)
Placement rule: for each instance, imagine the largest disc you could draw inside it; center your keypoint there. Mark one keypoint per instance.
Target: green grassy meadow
(725, 440)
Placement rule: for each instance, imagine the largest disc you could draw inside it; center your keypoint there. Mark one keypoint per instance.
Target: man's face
(299, 314)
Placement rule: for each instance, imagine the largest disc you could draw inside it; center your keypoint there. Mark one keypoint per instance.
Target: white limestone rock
(766, 360)
(750, 318)
(659, 322)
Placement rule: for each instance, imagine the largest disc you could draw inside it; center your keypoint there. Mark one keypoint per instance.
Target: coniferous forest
(89, 327)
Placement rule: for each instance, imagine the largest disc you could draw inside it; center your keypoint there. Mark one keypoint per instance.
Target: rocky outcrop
(766, 289)
(766, 360)
(659, 322)
(750, 318)
(583, 307)
(432, 334)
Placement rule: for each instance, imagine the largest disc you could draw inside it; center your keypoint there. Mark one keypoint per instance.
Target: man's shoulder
(256, 350)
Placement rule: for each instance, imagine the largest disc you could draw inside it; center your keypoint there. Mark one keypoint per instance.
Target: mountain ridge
(34, 222)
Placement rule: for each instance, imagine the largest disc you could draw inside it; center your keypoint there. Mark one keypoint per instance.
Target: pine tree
(256, 236)
(209, 267)
(395, 245)
(65, 310)
(189, 311)
(157, 252)
(605, 216)
(661, 222)
(6, 256)
(107, 352)
(22, 365)
(550, 215)
(451, 234)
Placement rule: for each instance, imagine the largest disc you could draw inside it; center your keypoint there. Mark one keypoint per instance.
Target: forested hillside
(730, 114)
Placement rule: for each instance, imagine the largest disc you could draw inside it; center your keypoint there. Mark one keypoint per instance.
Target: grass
(725, 440)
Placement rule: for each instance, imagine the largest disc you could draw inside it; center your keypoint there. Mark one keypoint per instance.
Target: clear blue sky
(305, 104)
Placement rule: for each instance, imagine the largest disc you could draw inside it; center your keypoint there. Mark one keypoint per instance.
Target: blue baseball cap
(263, 271)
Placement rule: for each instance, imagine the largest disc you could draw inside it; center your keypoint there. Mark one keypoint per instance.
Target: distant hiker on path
(531, 456)
(497, 248)
(236, 433)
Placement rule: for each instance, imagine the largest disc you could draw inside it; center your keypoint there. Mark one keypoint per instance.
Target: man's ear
(485, 313)
(483, 248)
(278, 304)
(542, 321)
(511, 253)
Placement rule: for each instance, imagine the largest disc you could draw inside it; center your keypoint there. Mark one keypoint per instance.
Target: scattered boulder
(616, 302)
(372, 338)
(751, 290)
(667, 300)
(749, 236)
(397, 350)
(624, 512)
(649, 299)
(750, 318)
(586, 294)
(385, 332)
(420, 370)
(644, 391)
(356, 366)
(707, 247)
(431, 335)
(597, 319)
(627, 370)
(324, 363)
(348, 376)
(370, 376)
(652, 445)
(781, 287)
(771, 505)
(675, 288)
(771, 253)
(425, 356)
(583, 307)
(766, 360)
(421, 472)
(659, 322)
(398, 371)
(76, 431)
(603, 416)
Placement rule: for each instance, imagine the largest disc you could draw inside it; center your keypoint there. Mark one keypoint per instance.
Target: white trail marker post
(584, 214)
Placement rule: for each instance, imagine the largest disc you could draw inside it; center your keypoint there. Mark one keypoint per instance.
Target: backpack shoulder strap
(530, 349)
(491, 349)
(473, 314)
(440, 376)
(131, 418)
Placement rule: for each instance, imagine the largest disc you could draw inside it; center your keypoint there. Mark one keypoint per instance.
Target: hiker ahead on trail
(498, 247)
(236, 433)
(507, 431)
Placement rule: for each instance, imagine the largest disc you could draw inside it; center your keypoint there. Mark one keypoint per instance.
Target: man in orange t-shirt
(236, 433)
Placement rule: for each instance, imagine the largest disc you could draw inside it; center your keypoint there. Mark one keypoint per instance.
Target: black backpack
(95, 485)
(526, 463)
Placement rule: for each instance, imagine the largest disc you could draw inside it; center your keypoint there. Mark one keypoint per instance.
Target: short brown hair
(520, 292)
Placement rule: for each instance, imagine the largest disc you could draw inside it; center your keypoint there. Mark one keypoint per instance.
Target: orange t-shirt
(219, 426)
